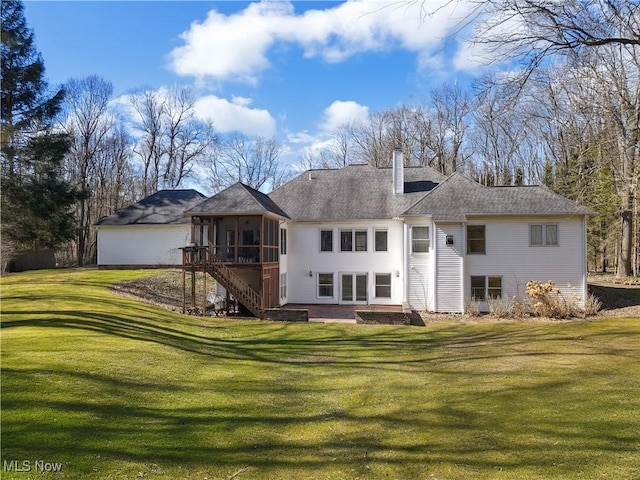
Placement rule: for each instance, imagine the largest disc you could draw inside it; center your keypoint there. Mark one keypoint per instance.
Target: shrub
(499, 307)
(592, 306)
(521, 307)
(549, 301)
(471, 308)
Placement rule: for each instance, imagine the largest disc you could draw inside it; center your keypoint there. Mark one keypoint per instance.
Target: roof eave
(235, 214)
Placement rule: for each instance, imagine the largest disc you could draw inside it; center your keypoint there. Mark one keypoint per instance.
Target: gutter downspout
(463, 251)
(585, 285)
(405, 260)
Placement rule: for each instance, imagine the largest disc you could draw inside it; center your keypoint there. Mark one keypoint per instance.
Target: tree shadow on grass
(126, 428)
(614, 297)
(288, 417)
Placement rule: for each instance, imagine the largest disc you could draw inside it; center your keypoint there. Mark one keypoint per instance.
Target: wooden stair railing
(236, 286)
(200, 257)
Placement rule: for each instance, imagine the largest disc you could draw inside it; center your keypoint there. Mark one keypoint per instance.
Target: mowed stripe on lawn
(114, 388)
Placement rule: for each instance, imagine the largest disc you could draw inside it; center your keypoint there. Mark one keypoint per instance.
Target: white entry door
(353, 288)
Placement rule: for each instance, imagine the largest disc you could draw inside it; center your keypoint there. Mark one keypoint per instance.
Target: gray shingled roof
(165, 207)
(356, 192)
(236, 200)
(457, 197)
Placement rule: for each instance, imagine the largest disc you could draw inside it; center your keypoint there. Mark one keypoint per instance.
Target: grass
(114, 388)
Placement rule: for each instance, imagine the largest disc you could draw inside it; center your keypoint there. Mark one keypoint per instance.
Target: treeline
(72, 156)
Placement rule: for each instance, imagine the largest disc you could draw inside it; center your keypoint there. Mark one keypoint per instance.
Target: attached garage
(148, 233)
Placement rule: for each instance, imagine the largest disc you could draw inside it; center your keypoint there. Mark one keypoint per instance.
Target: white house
(390, 236)
(147, 233)
(411, 236)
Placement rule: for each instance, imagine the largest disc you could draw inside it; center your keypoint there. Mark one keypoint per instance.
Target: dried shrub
(548, 301)
(521, 307)
(471, 308)
(592, 306)
(499, 307)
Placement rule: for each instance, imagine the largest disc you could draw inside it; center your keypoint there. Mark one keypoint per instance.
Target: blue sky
(290, 69)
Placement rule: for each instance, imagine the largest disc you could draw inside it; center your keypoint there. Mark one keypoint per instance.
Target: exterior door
(353, 288)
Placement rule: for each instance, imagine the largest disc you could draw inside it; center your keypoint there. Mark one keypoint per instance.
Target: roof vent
(398, 172)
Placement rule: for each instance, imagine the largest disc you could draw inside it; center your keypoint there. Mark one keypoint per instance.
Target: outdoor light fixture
(397, 273)
(310, 273)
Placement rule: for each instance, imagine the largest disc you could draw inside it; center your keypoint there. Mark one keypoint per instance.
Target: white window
(486, 287)
(326, 240)
(380, 241)
(283, 241)
(383, 285)
(353, 240)
(419, 239)
(543, 235)
(325, 285)
(476, 239)
(283, 286)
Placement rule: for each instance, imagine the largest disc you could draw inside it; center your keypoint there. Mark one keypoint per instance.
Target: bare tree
(532, 30)
(172, 139)
(186, 138)
(149, 107)
(338, 151)
(452, 108)
(252, 161)
(88, 123)
(374, 138)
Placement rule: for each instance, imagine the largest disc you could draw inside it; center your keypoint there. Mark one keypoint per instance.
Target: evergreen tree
(36, 200)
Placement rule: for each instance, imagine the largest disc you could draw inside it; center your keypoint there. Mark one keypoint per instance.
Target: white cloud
(235, 115)
(235, 47)
(341, 113)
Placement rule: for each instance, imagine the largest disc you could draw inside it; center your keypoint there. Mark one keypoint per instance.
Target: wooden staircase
(236, 286)
(196, 258)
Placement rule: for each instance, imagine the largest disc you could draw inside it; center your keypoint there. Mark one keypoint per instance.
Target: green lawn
(113, 388)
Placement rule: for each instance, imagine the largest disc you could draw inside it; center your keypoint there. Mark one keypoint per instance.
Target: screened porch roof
(238, 199)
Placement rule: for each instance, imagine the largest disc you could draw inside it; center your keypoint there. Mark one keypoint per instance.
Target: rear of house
(405, 236)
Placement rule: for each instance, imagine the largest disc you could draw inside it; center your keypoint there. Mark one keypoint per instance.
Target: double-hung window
(543, 235)
(476, 239)
(419, 239)
(383, 285)
(325, 285)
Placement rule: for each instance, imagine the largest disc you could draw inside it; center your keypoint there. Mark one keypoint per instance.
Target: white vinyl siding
(449, 264)
(421, 274)
(509, 256)
(142, 244)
